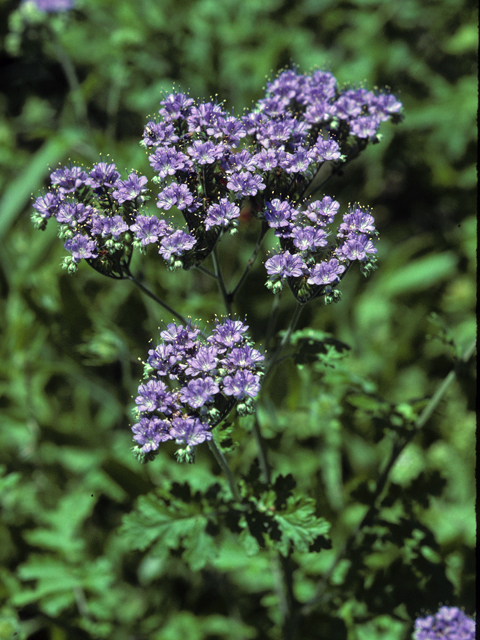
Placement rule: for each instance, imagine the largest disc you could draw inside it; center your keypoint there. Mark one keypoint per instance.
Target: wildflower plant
(213, 169)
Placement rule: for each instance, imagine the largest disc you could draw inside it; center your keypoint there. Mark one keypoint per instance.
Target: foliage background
(70, 345)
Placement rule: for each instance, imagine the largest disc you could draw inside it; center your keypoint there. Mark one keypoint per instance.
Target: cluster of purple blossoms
(51, 6)
(193, 383)
(210, 166)
(97, 213)
(449, 623)
(307, 260)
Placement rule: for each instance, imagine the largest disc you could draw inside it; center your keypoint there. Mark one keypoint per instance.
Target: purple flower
(205, 152)
(243, 357)
(190, 431)
(156, 133)
(322, 211)
(176, 105)
(103, 175)
(356, 221)
(148, 229)
(199, 391)
(245, 183)
(227, 334)
(450, 623)
(221, 214)
(149, 432)
(365, 126)
(47, 205)
(204, 362)
(192, 380)
(81, 247)
(154, 396)
(69, 179)
(50, 6)
(73, 213)
(285, 265)
(326, 272)
(166, 161)
(175, 195)
(176, 244)
(308, 238)
(243, 384)
(279, 214)
(130, 189)
(356, 248)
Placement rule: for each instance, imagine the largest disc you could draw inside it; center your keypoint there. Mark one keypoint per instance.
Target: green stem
(251, 260)
(227, 298)
(397, 449)
(284, 342)
(223, 464)
(151, 295)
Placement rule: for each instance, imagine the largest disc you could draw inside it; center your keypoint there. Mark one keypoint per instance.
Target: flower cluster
(210, 166)
(51, 6)
(193, 382)
(450, 623)
(307, 260)
(95, 211)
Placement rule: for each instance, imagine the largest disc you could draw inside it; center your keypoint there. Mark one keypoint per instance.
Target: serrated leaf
(170, 526)
(300, 526)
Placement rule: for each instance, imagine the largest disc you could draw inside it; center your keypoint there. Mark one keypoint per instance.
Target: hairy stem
(227, 298)
(251, 260)
(151, 295)
(222, 462)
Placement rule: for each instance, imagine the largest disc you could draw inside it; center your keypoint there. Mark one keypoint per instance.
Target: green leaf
(181, 525)
(300, 527)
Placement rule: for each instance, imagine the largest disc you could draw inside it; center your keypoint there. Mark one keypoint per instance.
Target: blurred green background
(79, 86)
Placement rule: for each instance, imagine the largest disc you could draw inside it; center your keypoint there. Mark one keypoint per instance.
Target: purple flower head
(73, 213)
(279, 214)
(69, 179)
(51, 6)
(356, 221)
(322, 211)
(167, 161)
(175, 195)
(175, 106)
(205, 152)
(199, 391)
(356, 248)
(130, 189)
(227, 334)
(190, 431)
(114, 226)
(81, 247)
(149, 432)
(326, 272)
(221, 214)
(365, 126)
(245, 184)
(176, 244)
(103, 175)
(285, 265)
(154, 396)
(148, 229)
(450, 623)
(309, 238)
(156, 133)
(47, 205)
(243, 384)
(205, 361)
(192, 380)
